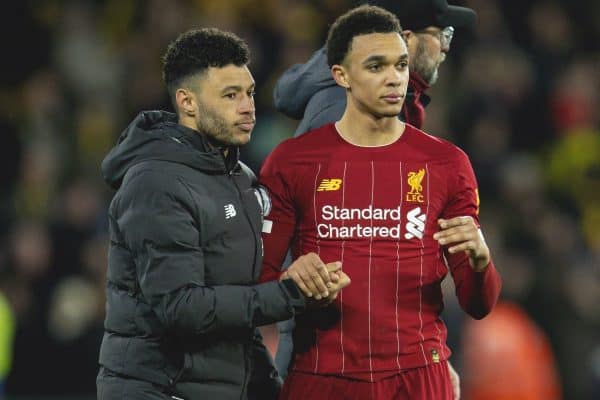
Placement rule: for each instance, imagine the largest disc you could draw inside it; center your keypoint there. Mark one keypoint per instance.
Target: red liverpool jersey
(375, 209)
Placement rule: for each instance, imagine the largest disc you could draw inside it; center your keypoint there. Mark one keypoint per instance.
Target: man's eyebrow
(380, 58)
(237, 88)
(373, 58)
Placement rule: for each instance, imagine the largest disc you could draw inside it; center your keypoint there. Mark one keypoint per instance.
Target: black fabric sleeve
(157, 221)
(265, 382)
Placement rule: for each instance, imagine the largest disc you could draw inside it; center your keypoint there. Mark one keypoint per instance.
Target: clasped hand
(317, 280)
(463, 234)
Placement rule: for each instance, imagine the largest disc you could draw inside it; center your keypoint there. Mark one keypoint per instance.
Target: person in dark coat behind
(185, 246)
(307, 92)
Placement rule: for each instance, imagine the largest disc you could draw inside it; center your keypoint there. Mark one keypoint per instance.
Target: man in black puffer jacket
(185, 246)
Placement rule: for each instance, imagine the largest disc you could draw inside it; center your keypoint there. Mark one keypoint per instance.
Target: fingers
(456, 230)
(334, 266)
(456, 221)
(455, 236)
(312, 276)
(318, 273)
(295, 276)
(468, 246)
(334, 291)
(344, 280)
(309, 274)
(463, 235)
(335, 278)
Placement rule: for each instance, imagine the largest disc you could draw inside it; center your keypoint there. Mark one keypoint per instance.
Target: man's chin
(391, 112)
(241, 139)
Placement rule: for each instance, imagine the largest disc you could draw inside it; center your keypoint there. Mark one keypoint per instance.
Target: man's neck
(364, 129)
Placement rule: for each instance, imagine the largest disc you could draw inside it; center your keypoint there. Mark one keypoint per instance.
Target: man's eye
(251, 93)
(402, 65)
(230, 96)
(374, 68)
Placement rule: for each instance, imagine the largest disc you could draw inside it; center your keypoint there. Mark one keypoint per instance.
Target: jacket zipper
(239, 192)
(248, 374)
(256, 238)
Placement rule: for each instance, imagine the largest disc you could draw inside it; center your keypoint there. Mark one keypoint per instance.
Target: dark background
(520, 95)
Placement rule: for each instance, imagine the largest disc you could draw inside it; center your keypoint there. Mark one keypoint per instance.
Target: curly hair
(194, 51)
(361, 20)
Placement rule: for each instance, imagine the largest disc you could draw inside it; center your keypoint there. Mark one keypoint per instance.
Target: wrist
(480, 265)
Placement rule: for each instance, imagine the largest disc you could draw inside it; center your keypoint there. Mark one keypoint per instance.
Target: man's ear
(338, 72)
(408, 36)
(186, 102)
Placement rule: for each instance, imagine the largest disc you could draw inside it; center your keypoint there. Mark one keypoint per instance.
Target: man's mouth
(246, 125)
(393, 97)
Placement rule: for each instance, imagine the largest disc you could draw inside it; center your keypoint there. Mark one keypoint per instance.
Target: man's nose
(395, 77)
(247, 105)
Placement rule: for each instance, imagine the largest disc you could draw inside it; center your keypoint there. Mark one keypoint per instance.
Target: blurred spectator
(7, 328)
(508, 357)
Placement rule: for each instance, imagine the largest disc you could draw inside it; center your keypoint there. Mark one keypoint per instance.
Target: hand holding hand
(313, 277)
(341, 281)
(462, 234)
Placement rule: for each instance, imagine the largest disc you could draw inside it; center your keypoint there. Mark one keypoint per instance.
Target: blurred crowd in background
(520, 94)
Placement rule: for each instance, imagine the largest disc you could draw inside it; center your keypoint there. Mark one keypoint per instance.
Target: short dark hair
(194, 51)
(361, 20)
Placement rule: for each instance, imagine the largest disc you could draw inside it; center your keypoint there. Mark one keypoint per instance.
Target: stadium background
(521, 95)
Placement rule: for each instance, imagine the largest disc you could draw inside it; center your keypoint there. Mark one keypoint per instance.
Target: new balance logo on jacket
(230, 211)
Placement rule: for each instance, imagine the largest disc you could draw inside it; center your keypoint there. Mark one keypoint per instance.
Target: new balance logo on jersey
(230, 211)
(415, 227)
(329, 185)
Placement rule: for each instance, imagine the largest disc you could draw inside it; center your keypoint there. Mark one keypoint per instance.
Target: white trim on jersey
(319, 254)
(370, 258)
(437, 320)
(342, 261)
(421, 272)
(398, 275)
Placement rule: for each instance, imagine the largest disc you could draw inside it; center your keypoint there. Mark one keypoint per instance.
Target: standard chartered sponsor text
(330, 212)
(335, 213)
(357, 231)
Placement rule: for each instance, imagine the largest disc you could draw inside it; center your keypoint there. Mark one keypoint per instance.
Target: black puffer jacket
(185, 253)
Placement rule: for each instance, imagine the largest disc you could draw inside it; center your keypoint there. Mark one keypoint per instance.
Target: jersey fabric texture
(431, 382)
(309, 93)
(375, 209)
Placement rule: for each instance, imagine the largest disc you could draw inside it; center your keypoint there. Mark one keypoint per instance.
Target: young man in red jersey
(398, 208)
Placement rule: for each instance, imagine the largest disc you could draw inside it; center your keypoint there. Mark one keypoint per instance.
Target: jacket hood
(300, 83)
(156, 135)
